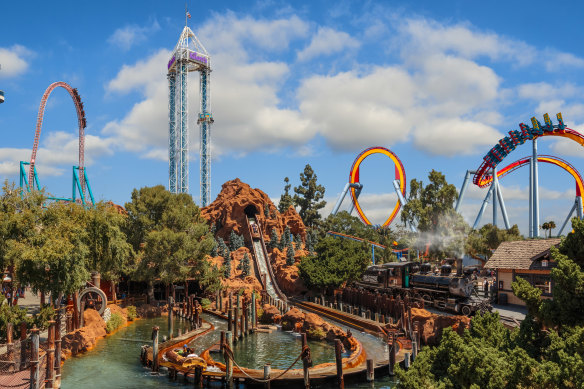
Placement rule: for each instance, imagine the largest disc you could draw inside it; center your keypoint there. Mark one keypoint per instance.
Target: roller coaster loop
(488, 178)
(515, 138)
(80, 118)
(400, 175)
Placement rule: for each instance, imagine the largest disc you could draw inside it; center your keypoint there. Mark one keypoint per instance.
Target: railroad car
(445, 291)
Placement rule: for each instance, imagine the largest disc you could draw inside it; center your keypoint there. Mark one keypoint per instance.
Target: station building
(528, 259)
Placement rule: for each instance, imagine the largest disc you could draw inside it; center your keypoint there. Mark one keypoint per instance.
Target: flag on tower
(188, 14)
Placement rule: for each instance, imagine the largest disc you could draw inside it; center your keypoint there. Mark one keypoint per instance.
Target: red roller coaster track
(80, 119)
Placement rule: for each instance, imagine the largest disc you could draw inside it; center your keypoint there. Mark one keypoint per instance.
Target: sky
(296, 83)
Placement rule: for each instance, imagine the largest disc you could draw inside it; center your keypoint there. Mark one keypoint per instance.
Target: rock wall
(85, 338)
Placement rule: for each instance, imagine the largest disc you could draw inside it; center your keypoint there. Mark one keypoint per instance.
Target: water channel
(114, 362)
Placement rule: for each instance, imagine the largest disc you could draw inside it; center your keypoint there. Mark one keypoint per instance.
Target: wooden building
(528, 259)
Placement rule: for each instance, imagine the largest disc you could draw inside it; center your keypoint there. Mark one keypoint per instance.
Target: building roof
(520, 254)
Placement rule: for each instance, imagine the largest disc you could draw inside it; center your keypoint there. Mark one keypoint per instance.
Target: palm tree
(551, 225)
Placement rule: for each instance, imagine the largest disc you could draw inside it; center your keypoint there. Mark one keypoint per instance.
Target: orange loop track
(487, 179)
(400, 175)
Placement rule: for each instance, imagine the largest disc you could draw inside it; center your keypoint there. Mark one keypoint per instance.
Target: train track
(353, 321)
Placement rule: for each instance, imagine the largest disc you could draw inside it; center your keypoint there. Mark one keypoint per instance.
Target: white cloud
(567, 147)
(128, 36)
(14, 61)
(328, 41)
(245, 100)
(58, 152)
(429, 36)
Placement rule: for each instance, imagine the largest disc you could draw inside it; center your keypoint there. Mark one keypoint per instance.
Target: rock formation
(432, 325)
(228, 213)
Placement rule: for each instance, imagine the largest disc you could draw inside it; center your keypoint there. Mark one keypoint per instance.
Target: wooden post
(235, 325)
(58, 346)
(414, 346)
(198, 377)
(230, 320)
(305, 363)
(69, 322)
(222, 341)
(392, 352)
(155, 330)
(196, 309)
(246, 320)
(170, 318)
(253, 309)
(339, 361)
(10, 346)
(22, 345)
(242, 323)
(370, 371)
(50, 356)
(76, 321)
(418, 335)
(228, 363)
(81, 318)
(267, 371)
(410, 329)
(34, 359)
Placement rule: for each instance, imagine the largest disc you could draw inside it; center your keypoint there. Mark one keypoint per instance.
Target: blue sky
(293, 83)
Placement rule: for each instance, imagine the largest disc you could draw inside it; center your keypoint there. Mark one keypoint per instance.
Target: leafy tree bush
(206, 303)
(298, 241)
(336, 261)
(115, 322)
(131, 312)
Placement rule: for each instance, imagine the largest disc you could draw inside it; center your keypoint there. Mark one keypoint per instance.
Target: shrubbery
(114, 323)
(132, 314)
(206, 303)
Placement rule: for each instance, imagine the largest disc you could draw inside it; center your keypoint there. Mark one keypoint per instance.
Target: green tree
(285, 199)
(573, 244)
(235, 241)
(274, 239)
(549, 226)
(19, 219)
(308, 197)
(109, 250)
(431, 208)
(227, 265)
(298, 241)
(336, 261)
(54, 260)
(245, 265)
(171, 235)
(483, 242)
(266, 210)
(290, 254)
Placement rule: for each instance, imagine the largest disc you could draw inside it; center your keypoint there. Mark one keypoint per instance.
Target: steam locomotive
(444, 291)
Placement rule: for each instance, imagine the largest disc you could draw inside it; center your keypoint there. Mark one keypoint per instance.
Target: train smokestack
(458, 266)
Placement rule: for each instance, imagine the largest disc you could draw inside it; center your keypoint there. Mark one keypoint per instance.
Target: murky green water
(114, 362)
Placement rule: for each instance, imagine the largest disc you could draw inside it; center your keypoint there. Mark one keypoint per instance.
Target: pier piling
(50, 356)
(34, 359)
(155, 330)
(267, 370)
(339, 361)
(58, 346)
(370, 370)
(306, 362)
(228, 362)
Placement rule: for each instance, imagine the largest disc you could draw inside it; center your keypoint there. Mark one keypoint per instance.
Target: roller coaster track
(82, 122)
(487, 179)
